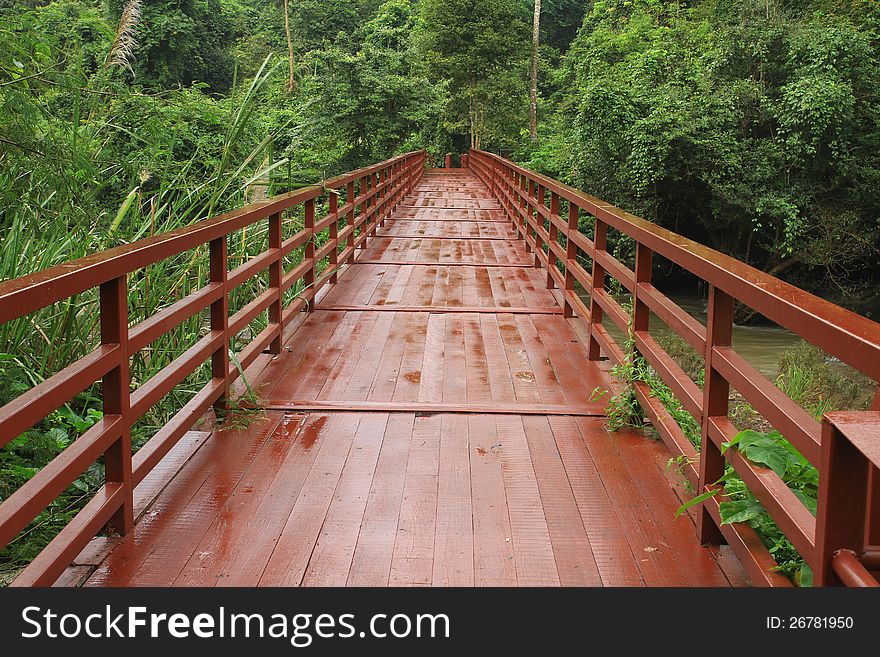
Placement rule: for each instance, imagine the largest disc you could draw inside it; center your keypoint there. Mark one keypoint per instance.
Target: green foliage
(750, 126)
(480, 49)
(377, 104)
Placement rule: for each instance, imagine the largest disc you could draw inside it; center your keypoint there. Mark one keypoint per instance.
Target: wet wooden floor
(431, 423)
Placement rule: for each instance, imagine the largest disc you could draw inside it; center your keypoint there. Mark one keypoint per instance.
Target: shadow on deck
(430, 423)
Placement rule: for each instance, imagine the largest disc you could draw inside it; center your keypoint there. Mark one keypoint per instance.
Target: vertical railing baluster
(553, 238)
(115, 391)
(570, 257)
(716, 390)
(600, 243)
(309, 277)
(334, 234)
(276, 313)
(218, 250)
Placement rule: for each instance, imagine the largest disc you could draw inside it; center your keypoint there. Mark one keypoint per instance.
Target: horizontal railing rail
(358, 202)
(547, 215)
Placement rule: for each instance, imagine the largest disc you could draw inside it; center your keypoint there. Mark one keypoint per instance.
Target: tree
(480, 49)
(367, 102)
(291, 82)
(533, 73)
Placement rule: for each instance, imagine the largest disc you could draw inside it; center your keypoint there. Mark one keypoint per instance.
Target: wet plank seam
(488, 408)
(494, 310)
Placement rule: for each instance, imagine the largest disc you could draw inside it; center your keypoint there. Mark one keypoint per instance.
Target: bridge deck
(429, 424)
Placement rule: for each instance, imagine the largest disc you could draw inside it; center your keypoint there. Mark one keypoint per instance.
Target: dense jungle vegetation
(749, 125)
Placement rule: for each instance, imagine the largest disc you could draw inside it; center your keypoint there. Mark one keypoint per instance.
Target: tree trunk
(533, 91)
(291, 82)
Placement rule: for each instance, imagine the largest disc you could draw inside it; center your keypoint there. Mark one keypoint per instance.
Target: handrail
(371, 194)
(552, 233)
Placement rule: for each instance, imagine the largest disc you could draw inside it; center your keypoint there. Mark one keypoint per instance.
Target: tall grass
(42, 228)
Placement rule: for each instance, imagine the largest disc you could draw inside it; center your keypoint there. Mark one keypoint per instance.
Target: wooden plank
(233, 529)
(493, 550)
(532, 546)
(624, 480)
(409, 379)
(331, 559)
(371, 561)
(294, 547)
(185, 510)
(311, 374)
(454, 366)
(500, 378)
(388, 370)
(337, 380)
(476, 366)
(611, 551)
(362, 378)
(571, 546)
(431, 382)
(245, 566)
(412, 562)
(540, 365)
(523, 377)
(454, 532)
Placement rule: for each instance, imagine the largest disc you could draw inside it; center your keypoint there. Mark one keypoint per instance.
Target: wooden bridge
(427, 368)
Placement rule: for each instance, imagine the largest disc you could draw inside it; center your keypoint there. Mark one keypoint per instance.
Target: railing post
(334, 234)
(554, 237)
(276, 313)
(841, 511)
(538, 194)
(644, 263)
(570, 257)
(116, 396)
(382, 195)
(364, 217)
(600, 243)
(524, 193)
(309, 277)
(220, 317)
(349, 196)
(449, 160)
(716, 389)
(493, 184)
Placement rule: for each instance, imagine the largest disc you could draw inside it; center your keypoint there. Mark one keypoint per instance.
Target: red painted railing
(535, 204)
(369, 196)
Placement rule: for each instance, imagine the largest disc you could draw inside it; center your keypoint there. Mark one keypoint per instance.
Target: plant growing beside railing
(766, 449)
